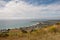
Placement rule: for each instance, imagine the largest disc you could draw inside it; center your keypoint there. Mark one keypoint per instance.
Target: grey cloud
(21, 10)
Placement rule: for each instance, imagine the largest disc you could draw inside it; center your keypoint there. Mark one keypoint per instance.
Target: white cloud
(22, 10)
(2, 3)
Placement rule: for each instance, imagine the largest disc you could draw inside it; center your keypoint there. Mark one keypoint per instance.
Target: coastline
(39, 24)
(38, 31)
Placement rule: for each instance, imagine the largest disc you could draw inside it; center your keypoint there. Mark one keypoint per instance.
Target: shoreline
(38, 24)
(21, 26)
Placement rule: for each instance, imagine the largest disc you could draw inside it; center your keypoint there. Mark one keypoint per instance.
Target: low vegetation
(4, 34)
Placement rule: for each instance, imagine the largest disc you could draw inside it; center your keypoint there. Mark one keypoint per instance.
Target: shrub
(53, 29)
(58, 23)
(23, 31)
(4, 34)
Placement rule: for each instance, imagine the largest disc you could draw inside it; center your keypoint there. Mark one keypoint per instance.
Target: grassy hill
(51, 32)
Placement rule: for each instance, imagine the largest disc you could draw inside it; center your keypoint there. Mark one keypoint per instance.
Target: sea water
(10, 24)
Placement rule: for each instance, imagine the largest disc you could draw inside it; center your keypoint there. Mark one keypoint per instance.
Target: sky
(29, 9)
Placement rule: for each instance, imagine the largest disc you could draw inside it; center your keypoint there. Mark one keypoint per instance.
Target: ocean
(10, 24)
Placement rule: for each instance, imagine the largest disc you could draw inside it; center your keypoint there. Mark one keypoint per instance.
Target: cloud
(17, 9)
(2, 3)
(41, 2)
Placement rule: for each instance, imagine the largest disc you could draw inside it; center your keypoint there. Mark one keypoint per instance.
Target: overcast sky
(29, 9)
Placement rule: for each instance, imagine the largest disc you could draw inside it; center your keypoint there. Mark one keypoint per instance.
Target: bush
(3, 34)
(53, 29)
(58, 23)
(23, 31)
